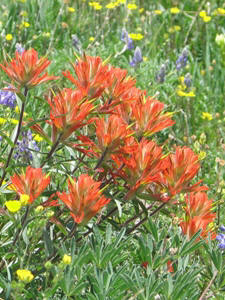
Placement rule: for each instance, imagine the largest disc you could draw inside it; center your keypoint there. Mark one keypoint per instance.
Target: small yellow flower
(136, 36)
(206, 115)
(14, 121)
(67, 259)
(157, 12)
(177, 28)
(23, 1)
(25, 275)
(145, 58)
(24, 198)
(206, 19)
(46, 34)
(174, 10)
(184, 94)
(2, 121)
(8, 37)
(13, 205)
(71, 9)
(111, 5)
(141, 10)
(39, 209)
(202, 14)
(38, 138)
(131, 6)
(219, 11)
(91, 39)
(26, 24)
(201, 155)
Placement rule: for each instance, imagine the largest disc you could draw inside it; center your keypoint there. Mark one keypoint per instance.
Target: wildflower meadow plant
(90, 161)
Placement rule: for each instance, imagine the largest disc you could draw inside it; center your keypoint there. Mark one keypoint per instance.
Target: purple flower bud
(222, 228)
(187, 80)
(220, 237)
(126, 39)
(7, 98)
(160, 77)
(182, 60)
(222, 245)
(19, 48)
(137, 57)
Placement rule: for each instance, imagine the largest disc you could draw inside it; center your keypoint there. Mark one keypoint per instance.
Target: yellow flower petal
(13, 205)
(25, 275)
(67, 259)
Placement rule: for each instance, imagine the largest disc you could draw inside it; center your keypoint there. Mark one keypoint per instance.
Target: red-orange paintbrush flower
(182, 166)
(192, 225)
(32, 183)
(26, 68)
(142, 166)
(91, 76)
(111, 133)
(198, 204)
(148, 116)
(84, 199)
(69, 111)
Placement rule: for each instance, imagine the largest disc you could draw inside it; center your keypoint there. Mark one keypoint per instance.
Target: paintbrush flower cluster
(113, 124)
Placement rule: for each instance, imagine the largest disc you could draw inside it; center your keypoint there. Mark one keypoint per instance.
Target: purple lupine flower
(187, 80)
(126, 39)
(160, 77)
(182, 60)
(76, 42)
(23, 146)
(137, 59)
(19, 48)
(7, 98)
(221, 238)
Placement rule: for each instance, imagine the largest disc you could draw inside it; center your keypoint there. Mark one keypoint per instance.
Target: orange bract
(91, 76)
(25, 69)
(182, 166)
(32, 183)
(112, 133)
(198, 215)
(143, 165)
(69, 111)
(84, 199)
(149, 117)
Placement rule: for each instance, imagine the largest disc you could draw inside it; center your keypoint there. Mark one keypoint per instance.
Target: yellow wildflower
(13, 205)
(2, 121)
(67, 259)
(202, 14)
(174, 10)
(184, 94)
(219, 11)
(25, 24)
(145, 58)
(206, 19)
(91, 39)
(70, 9)
(201, 155)
(8, 37)
(24, 198)
(131, 6)
(111, 5)
(25, 275)
(38, 138)
(206, 115)
(39, 209)
(141, 10)
(14, 121)
(157, 12)
(46, 34)
(136, 36)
